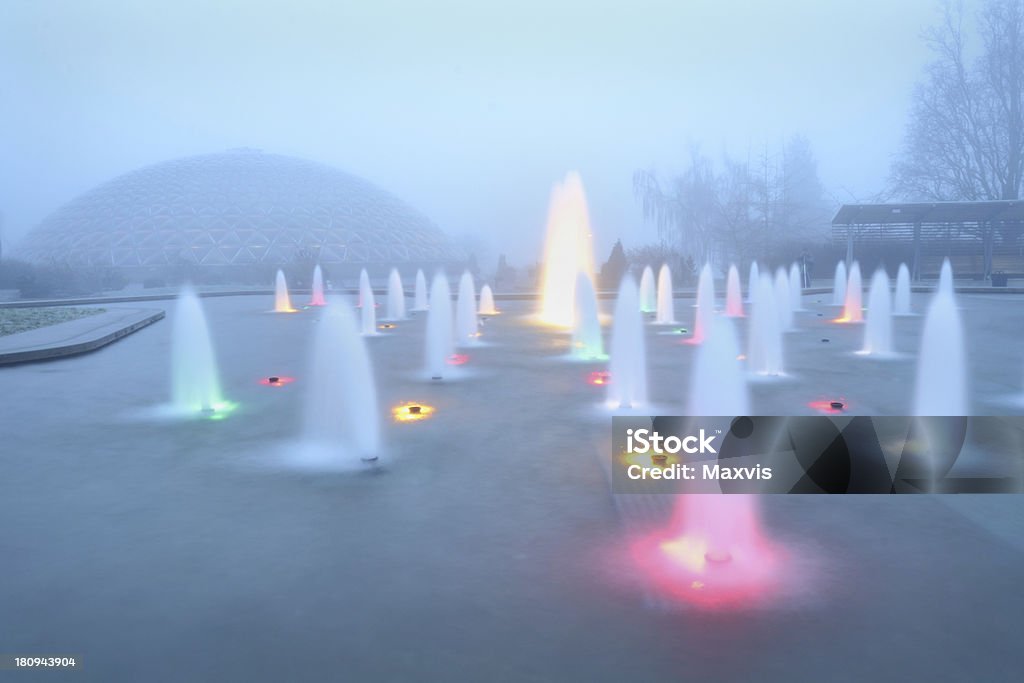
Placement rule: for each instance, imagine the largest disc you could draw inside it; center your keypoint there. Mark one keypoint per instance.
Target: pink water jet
(713, 552)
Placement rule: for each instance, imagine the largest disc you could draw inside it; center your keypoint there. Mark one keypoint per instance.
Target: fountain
(568, 250)
(467, 327)
(341, 423)
(282, 302)
(666, 313)
(878, 330)
(396, 296)
(796, 287)
(783, 300)
(901, 306)
(753, 280)
(487, 302)
(853, 310)
(764, 355)
(648, 298)
(628, 366)
(717, 386)
(419, 302)
(714, 551)
(839, 285)
(941, 386)
(733, 295)
(317, 296)
(946, 278)
(439, 344)
(705, 305)
(587, 343)
(194, 381)
(368, 305)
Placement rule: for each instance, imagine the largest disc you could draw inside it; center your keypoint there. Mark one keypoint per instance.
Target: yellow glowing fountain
(568, 251)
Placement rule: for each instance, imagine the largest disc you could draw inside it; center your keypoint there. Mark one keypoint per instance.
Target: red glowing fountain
(713, 554)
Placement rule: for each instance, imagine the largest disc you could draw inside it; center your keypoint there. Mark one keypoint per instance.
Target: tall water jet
(764, 352)
(419, 302)
(396, 296)
(487, 301)
(796, 287)
(941, 385)
(714, 549)
(367, 305)
(733, 295)
(568, 250)
(666, 313)
(282, 301)
(195, 385)
(705, 305)
(853, 308)
(341, 422)
(878, 330)
(317, 296)
(717, 385)
(783, 300)
(587, 343)
(945, 278)
(901, 305)
(467, 326)
(839, 285)
(648, 297)
(753, 282)
(439, 344)
(628, 365)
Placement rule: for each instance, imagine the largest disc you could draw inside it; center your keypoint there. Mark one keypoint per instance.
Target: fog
(467, 110)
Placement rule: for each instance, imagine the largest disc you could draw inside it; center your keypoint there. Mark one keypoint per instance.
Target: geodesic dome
(241, 207)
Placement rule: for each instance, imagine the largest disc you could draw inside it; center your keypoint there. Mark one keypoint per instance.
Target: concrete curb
(98, 331)
(505, 296)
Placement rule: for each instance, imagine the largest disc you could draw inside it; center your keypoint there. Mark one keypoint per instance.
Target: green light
(218, 411)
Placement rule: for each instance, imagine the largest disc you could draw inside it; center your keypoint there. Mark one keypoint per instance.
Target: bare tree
(685, 213)
(741, 212)
(965, 139)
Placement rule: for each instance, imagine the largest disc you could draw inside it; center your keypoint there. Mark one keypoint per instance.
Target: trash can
(999, 279)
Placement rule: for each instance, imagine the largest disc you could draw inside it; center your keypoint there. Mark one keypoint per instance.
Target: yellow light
(411, 412)
(568, 251)
(687, 551)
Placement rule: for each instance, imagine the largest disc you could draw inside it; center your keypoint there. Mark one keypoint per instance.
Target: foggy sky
(469, 110)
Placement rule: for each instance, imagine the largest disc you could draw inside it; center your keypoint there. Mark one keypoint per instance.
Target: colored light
(708, 563)
(411, 412)
(386, 326)
(458, 359)
(599, 378)
(276, 381)
(218, 411)
(828, 405)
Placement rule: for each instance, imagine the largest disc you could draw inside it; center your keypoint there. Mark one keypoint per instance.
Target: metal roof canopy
(929, 212)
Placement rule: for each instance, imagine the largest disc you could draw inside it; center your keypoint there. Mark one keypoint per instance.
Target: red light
(599, 378)
(458, 359)
(825, 405)
(276, 381)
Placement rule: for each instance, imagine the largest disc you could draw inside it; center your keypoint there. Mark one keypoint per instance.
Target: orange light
(599, 378)
(386, 326)
(411, 412)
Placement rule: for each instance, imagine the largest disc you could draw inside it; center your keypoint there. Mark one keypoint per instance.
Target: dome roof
(240, 207)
